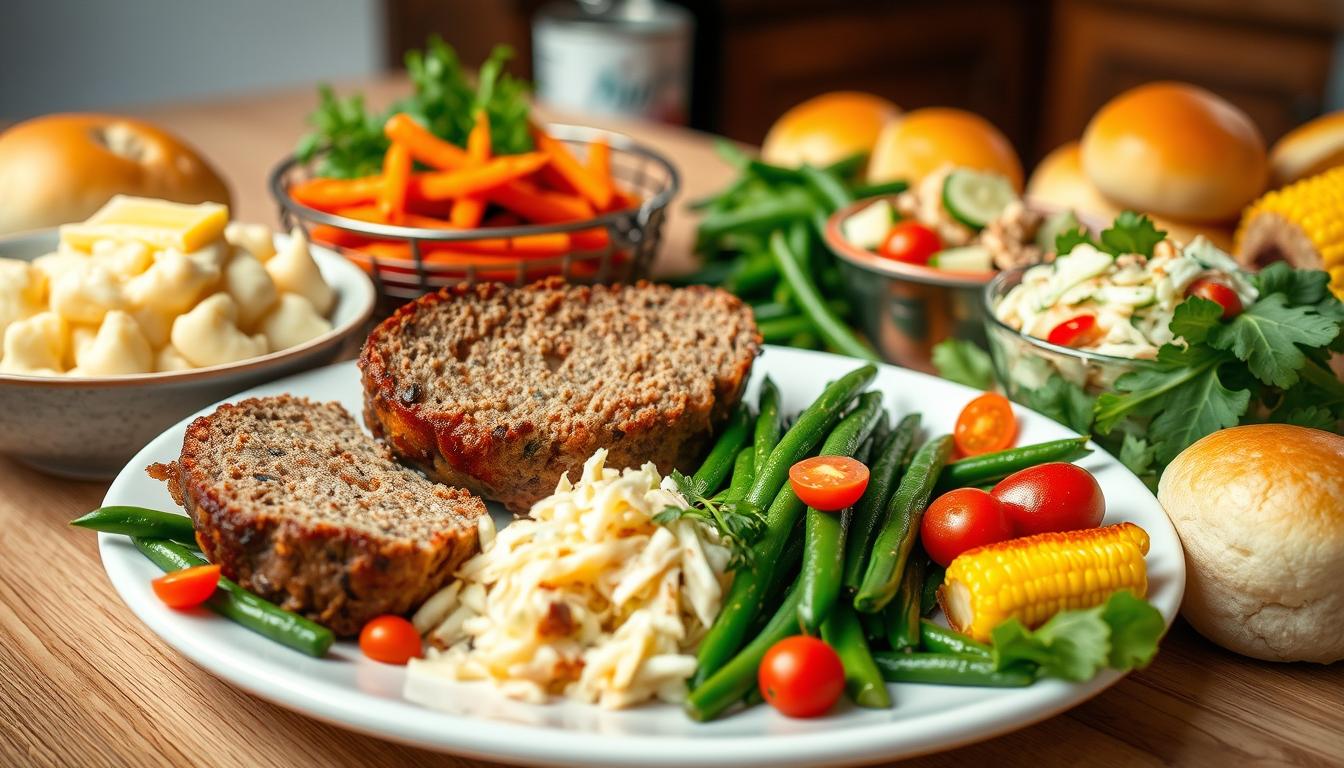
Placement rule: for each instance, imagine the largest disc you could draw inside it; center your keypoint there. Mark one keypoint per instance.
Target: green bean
(729, 684)
(743, 472)
(933, 579)
(880, 188)
(769, 424)
(897, 537)
(743, 601)
(782, 294)
(719, 462)
(891, 456)
(711, 273)
(722, 197)
(829, 327)
(902, 613)
(947, 669)
(786, 573)
(772, 310)
(939, 639)
(827, 186)
(781, 329)
(240, 606)
(879, 435)
(824, 552)
(990, 468)
(773, 174)
(863, 681)
(805, 340)
(767, 214)
(752, 273)
(848, 166)
(139, 521)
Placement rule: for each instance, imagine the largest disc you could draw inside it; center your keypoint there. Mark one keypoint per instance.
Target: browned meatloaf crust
(299, 505)
(500, 390)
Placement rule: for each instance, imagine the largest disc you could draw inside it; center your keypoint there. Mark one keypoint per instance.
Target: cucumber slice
(976, 198)
(869, 227)
(1079, 265)
(1129, 295)
(968, 258)
(1055, 223)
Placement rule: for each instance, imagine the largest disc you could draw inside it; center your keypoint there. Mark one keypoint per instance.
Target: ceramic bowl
(88, 428)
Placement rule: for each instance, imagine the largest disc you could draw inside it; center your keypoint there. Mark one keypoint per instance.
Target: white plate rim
(502, 740)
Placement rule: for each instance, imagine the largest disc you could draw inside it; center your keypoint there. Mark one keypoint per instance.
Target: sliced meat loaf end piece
(500, 390)
(301, 506)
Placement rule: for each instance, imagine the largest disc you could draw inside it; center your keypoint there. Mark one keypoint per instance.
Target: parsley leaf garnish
(1063, 401)
(738, 524)
(1130, 233)
(1266, 336)
(963, 362)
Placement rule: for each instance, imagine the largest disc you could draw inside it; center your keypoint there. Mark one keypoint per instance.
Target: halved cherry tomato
(1213, 290)
(390, 639)
(985, 425)
(1072, 331)
(911, 242)
(801, 676)
(188, 587)
(829, 483)
(962, 520)
(1051, 497)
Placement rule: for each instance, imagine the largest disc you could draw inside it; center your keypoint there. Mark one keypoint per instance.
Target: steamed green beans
(139, 521)
(891, 457)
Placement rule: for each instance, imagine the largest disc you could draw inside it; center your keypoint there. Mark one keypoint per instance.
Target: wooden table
(82, 682)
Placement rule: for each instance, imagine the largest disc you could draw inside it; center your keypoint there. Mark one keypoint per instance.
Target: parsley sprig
(738, 524)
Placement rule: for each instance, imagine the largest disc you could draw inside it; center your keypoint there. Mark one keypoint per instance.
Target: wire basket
(623, 255)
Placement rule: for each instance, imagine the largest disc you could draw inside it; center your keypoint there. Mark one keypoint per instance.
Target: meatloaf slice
(299, 505)
(500, 389)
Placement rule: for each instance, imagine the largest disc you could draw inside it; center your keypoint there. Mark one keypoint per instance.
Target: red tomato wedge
(985, 425)
(188, 587)
(829, 483)
(801, 676)
(1216, 292)
(911, 242)
(390, 639)
(1072, 331)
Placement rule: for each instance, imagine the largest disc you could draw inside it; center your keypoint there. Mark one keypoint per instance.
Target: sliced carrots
(479, 179)
(467, 212)
(396, 182)
(595, 189)
(425, 147)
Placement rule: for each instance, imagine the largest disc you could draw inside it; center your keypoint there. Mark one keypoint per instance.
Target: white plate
(351, 691)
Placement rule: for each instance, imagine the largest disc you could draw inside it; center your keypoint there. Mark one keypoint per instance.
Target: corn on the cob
(1034, 578)
(1302, 223)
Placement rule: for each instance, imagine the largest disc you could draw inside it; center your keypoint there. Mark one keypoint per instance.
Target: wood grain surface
(82, 682)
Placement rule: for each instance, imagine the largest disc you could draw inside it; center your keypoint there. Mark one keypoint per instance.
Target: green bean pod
(780, 330)
(753, 272)
(863, 681)
(891, 457)
(824, 551)
(743, 473)
(769, 423)
(834, 332)
(933, 579)
(882, 188)
(139, 521)
(947, 669)
(897, 537)
(989, 468)
(240, 606)
(902, 613)
(827, 186)
(936, 638)
(789, 205)
(719, 462)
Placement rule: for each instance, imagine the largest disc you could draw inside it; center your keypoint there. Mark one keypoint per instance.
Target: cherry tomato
(961, 520)
(188, 587)
(390, 639)
(1051, 497)
(1213, 290)
(985, 425)
(911, 242)
(1075, 330)
(801, 676)
(829, 483)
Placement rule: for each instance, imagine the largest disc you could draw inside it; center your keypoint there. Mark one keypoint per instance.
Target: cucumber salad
(1112, 300)
(958, 219)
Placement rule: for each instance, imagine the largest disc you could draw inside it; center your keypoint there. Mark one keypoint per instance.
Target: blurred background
(1036, 68)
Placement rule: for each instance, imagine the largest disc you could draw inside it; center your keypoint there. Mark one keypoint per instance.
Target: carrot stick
(396, 182)
(595, 190)
(467, 211)
(599, 166)
(590, 239)
(327, 194)
(540, 207)
(424, 146)
(329, 235)
(478, 180)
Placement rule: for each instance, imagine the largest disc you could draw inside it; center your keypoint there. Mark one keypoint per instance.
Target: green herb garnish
(1122, 634)
(738, 524)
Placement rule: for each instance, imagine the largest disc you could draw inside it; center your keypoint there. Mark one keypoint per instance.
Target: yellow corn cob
(1034, 578)
(1302, 223)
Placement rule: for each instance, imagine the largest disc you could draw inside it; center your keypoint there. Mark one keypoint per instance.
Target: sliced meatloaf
(501, 389)
(301, 506)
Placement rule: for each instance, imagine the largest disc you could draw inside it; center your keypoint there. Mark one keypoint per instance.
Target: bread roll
(1260, 511)
(827, 128)
(1312, 148)
(61, 168)
(920, 142)
(1177, 151)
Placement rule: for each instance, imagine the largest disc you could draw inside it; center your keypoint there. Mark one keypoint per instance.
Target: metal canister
(614, 57)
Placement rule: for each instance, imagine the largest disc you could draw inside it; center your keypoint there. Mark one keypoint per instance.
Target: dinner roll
(1175, 150)
(61, 168)
(208, 334)
(920, 142)
(294, 271)
(1312, 148)
(1260, 511)
(827, 128)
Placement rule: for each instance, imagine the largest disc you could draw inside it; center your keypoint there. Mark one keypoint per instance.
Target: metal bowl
(624, 253)
(905, 309)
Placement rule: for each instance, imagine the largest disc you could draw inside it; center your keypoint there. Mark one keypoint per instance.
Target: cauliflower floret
(36, 345)
(22, 292)
(118, 348)
(169, 359)
(86, 292)
(256, 239)
(251, 286)
(124, 259)
(294, 271)
(172, 284)
(209, 335)
(292, 322)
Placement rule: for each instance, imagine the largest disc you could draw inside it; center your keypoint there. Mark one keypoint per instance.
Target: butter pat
(156, 223)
